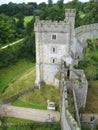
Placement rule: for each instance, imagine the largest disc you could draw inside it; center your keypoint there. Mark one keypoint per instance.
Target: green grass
(92, 98)
(38, 98)
(23, 77)
(10, 74)
(27, 19)
(20, 103)
(14, 120)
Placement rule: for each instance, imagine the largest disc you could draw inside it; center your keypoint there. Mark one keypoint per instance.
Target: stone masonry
(53, 43)
(57, 41)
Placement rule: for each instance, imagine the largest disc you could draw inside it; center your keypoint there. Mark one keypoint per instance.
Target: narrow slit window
(53, 60)
(53, 49)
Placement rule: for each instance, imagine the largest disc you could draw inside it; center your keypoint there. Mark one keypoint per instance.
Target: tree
(91, 15)
(29, 44)
(34, 4)
(7, 32)
(90, 60)
(53, 13)
(50, 2)
(20, 23)
(42, 5)
(60, 3)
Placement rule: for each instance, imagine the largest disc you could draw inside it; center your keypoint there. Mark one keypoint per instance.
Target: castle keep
(54, 41)
(59, 47)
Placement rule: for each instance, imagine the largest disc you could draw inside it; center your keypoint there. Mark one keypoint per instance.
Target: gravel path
(29, 113)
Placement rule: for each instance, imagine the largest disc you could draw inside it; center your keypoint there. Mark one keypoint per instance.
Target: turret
(70, 16)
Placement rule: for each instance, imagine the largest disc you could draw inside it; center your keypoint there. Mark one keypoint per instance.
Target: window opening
(53, 36)
(53, 60)
(53, 49)
(68, 73)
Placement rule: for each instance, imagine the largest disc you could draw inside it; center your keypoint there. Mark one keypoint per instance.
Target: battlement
(51, 26)
(70, 12)
(86, 28)
(55, 26)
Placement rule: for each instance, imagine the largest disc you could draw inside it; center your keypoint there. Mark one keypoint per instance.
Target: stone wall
(53, 40)
(67, 41)
(47, 25)
(83, 33)
(72, 80)
(67, 121)
(80, 86)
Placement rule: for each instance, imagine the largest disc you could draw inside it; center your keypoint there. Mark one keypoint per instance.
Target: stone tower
(53, 41)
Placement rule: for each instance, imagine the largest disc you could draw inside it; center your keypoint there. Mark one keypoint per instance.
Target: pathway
(12, 44)
(29, 113)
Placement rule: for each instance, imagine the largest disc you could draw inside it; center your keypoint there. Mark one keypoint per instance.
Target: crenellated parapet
(70, 12)
(51, 26)
(86, 28)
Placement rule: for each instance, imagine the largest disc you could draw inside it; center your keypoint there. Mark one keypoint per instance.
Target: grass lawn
(92, 98)
(14, 120)
(26, 104)
(27, 19)
(21, 77)
(38, 98)
(9, 75)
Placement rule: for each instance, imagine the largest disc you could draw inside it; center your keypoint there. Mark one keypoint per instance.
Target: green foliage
(88, 9)
(42, 6)
(90, 60)
(50, 2)
(33, 126)
(91, 15)
(11, 29)
(60, 3)
(10, 55)
(7, 32)
(12, 9)
(20, 22)
(29, 44)
(51, 13)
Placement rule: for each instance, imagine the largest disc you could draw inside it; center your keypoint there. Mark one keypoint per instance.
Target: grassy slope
(38, 98)
(10, 74)
(92, 98)
(22, 77)
(27, 19)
